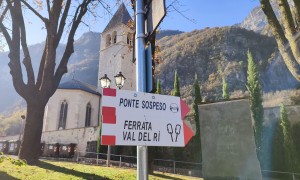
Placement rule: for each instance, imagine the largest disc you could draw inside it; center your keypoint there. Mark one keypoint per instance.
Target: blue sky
(206, 13)
(209, 13)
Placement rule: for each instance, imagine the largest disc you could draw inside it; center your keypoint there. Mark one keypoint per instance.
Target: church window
(114, 35)
(129, 39)
(88, 115)
(108, 40)
(63, 115)
(91, 146)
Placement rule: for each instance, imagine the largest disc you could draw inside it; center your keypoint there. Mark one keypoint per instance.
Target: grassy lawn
(53, 170)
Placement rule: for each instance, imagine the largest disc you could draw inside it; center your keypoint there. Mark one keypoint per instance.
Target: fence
(281, 175)
(162, 165)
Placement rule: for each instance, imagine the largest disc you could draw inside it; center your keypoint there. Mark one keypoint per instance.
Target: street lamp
(105, 81)
(119, 79)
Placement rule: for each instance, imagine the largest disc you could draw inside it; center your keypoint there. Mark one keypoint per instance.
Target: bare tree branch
(34, 11)
(27, 59)
(297, 12)
(62, 68)
(41, 68)
(55, 13)
(62, 22)
(172, 5)
(280, 38)
(4, 13)
(48, 7)
(6, 34)
(14, 55)
(289, 27)
(2, 27)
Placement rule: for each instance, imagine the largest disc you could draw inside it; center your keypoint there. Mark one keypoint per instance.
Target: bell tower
(116, 50)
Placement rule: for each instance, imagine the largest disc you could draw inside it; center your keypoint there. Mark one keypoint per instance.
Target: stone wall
(77, 101)
(227, 140)
(272, 115)
(79, 136)
(8, 138)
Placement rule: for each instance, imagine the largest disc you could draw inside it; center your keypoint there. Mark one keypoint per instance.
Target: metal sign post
(142, 151)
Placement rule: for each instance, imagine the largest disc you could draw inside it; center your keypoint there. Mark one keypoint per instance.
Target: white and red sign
(143, 119)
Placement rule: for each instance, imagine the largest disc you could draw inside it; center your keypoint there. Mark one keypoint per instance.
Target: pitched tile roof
(75, 84)
(120, 17)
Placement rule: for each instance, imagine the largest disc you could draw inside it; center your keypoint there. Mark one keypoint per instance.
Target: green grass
(52, 170)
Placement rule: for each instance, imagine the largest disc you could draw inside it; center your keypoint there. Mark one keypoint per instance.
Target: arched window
(114, 35)
(88, 115)
(63, 115)
(108, 40)
(129, 39)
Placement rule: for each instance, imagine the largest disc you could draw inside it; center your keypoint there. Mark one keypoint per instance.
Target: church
(73, 113)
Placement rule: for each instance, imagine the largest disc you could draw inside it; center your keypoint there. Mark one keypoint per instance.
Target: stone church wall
(77, 101)
(79, 136)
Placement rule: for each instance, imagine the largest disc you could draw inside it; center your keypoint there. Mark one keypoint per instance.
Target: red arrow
(188, 133)
(184, 109)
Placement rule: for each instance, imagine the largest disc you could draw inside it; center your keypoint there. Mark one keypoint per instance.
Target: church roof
(78, 85)
(120, 17)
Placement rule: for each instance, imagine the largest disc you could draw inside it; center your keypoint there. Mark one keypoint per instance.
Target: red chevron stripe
(108, 140)
(109, 92)
(109, 115)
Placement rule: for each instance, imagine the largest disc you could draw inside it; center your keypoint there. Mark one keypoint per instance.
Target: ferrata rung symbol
(170, 131)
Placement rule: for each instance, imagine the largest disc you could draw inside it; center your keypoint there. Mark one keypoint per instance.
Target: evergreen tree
(255, 92)
(176, 90)
(196, 140)
(225, 94)
(177, 151)
(277, 150)
(288, 144)
(158, 87)
(296, 140)
(197, 101)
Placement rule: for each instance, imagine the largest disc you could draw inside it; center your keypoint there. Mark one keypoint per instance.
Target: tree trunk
(284, 46)
(30, 146)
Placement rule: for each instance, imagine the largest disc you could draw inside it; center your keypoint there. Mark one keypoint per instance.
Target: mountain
(83, 64)
(257, 22)
(164, 33)
(205, 52)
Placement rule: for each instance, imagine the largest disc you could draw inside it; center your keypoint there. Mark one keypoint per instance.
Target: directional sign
(143, 119)
(155, 14)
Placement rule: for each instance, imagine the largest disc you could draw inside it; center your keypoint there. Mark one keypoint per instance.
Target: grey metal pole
(108, 157)
(294, 176)
(142, 151)
(174, 167)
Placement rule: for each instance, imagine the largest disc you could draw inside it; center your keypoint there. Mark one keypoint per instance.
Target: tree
(197, 101)
(177, 151)
(225, 94)
(41, 86)
(288, 144)
(158, 87)
(296, 138)
(255, 92)
(286, 33)
(196, 140)
(277, 157)
(176, 90)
